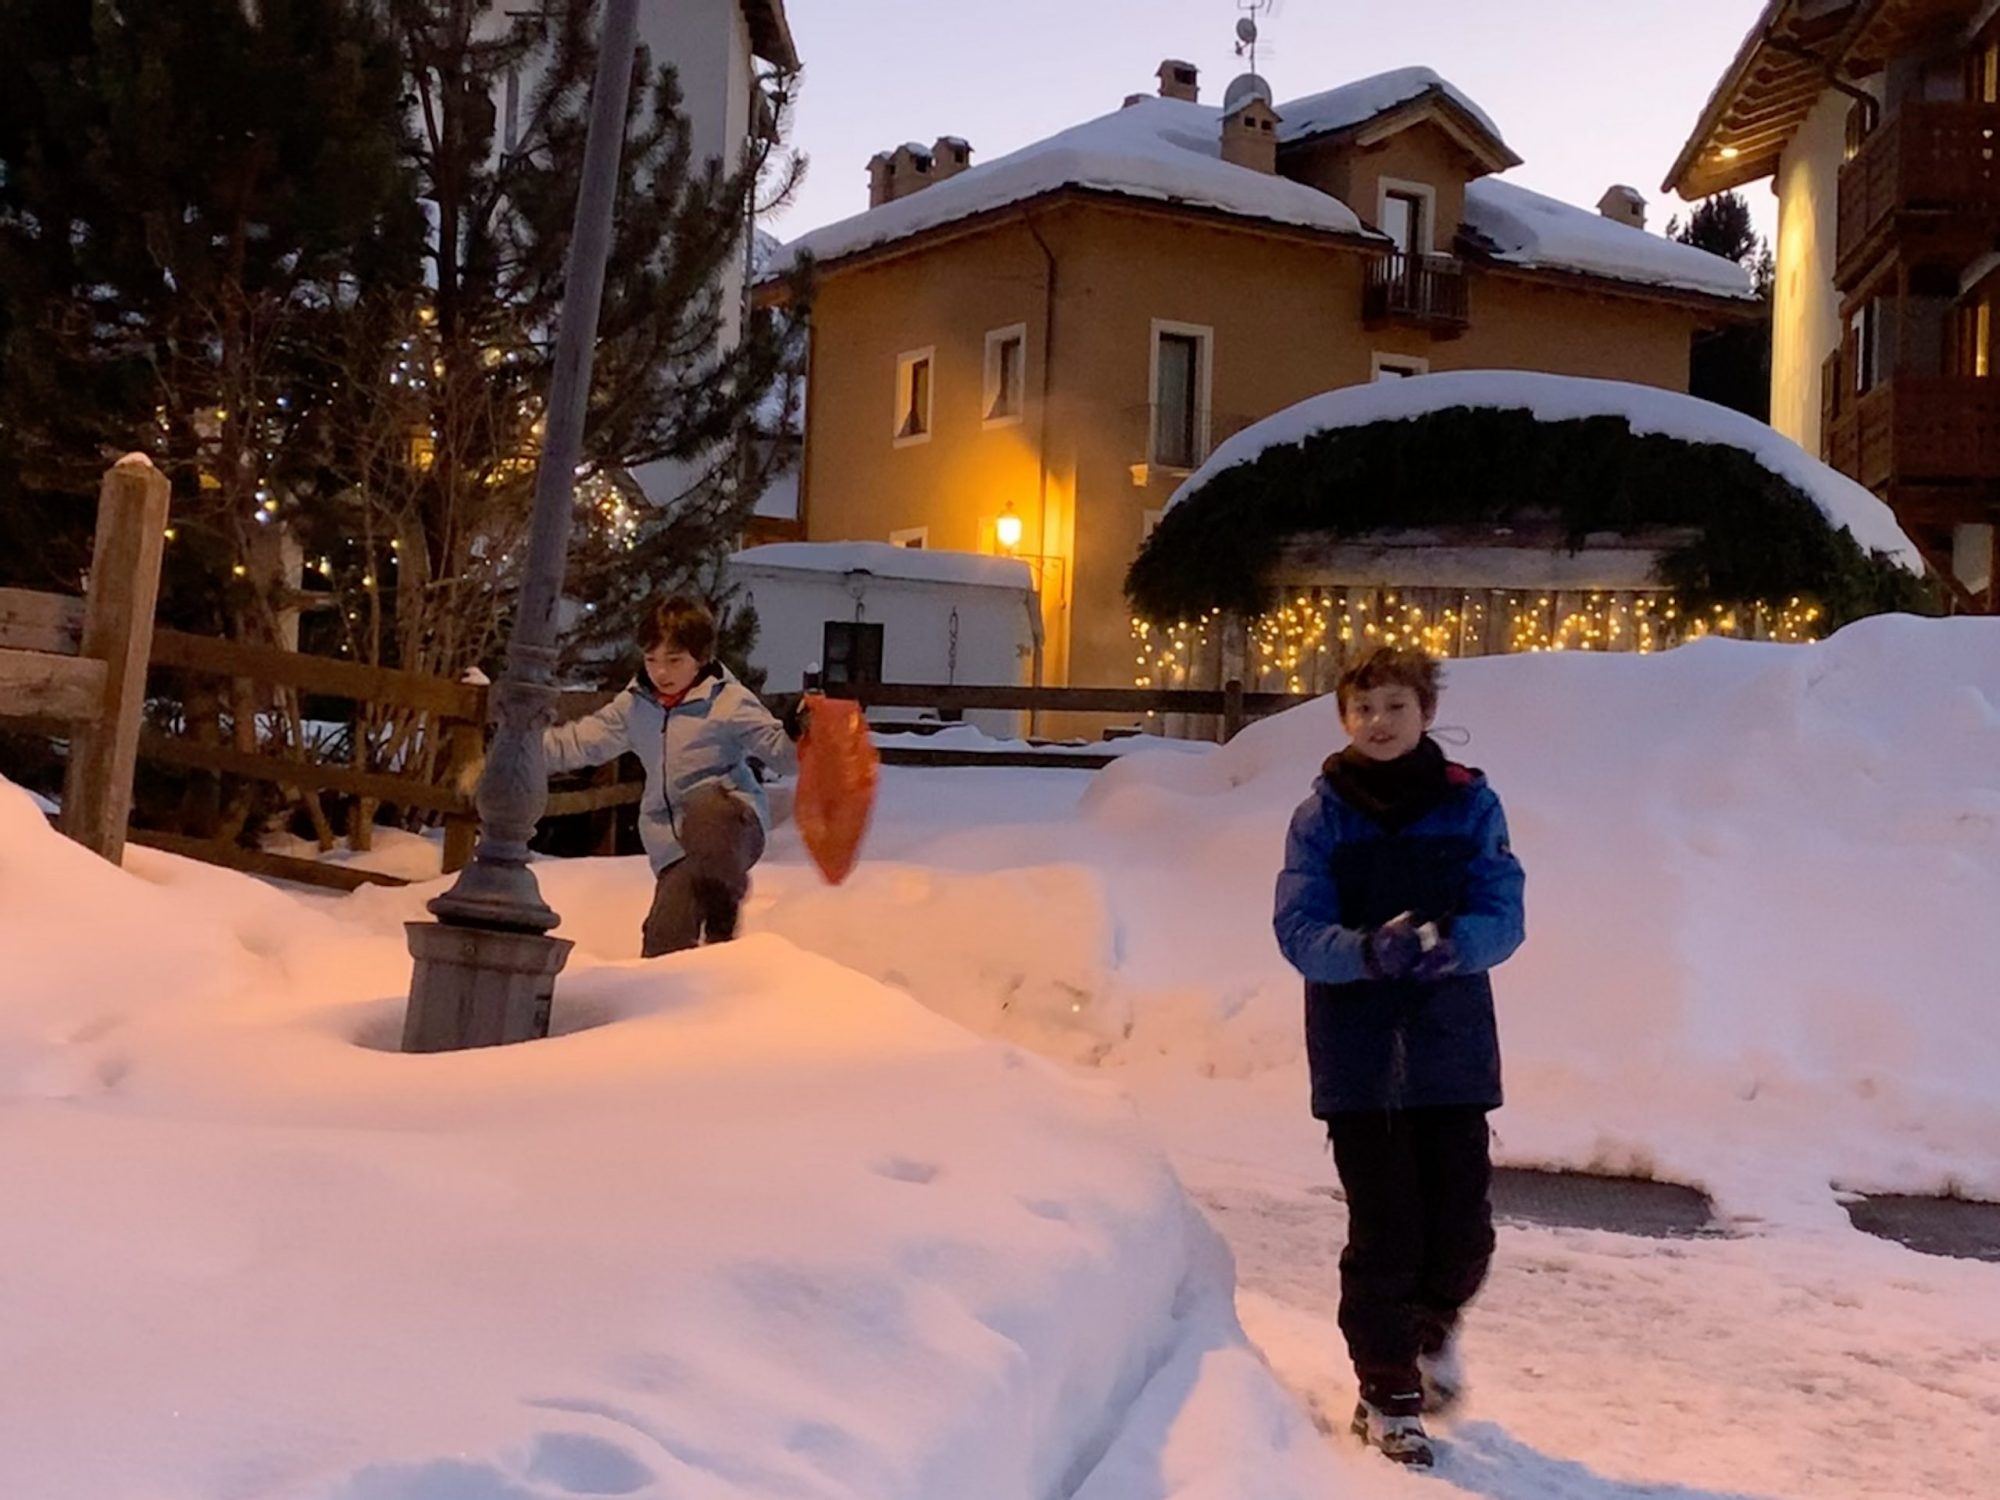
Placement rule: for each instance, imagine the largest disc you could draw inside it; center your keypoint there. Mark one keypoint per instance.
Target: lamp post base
(478, 987)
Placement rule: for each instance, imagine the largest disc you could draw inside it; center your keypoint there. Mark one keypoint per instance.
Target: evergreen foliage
(1731, 366)
(1755, 535)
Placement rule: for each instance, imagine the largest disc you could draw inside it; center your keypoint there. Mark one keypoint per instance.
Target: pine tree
(189, 189)
(430, 404)
(1732, 366)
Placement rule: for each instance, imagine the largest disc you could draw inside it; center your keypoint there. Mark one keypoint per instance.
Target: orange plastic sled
(837, 772)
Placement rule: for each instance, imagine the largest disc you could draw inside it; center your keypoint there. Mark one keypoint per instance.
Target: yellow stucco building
(1029, 354)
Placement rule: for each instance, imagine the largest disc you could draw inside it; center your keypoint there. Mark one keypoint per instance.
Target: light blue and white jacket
(706, 739)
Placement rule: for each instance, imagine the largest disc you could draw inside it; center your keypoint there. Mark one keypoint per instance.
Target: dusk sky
(1590, 92)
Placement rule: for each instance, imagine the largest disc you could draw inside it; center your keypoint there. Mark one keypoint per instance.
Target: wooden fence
(77, 668)
(81, 663)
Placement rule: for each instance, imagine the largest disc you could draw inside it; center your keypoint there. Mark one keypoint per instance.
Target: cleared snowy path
(1610, 1367)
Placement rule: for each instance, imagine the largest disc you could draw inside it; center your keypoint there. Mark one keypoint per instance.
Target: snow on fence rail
(1230, 705)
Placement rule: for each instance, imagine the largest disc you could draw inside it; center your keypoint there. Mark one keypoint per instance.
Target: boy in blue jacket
(1398, 895)
(695, 729)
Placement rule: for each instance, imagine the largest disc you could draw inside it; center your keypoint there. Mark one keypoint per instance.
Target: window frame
(1426, 197)
(996, 341)
(1407, 366)
(906, 363)
(862, 634)
(1203, 336)
(917, 537)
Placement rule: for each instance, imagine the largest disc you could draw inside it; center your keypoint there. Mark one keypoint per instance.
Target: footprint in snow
(579, 1464)
(904, 1169)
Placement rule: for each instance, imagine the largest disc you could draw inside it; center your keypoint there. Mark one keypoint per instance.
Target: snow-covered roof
(1169, 151)
(886, 560)
(1353, 103)
(1526, 228)
(1561, 398)
(1160, 149)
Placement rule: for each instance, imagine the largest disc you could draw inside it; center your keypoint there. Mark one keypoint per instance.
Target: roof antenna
(1247, 31)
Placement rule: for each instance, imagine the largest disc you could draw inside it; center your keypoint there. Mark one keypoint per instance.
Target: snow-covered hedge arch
(1496, 447)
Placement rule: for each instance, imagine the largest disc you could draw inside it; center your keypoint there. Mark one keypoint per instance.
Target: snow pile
(1165, 150)
(1527, 228)
(887, 560)
(1561, 398)
(1356, 103)
(751, 1225)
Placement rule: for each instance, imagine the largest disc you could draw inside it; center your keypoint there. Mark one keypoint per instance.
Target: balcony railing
(1425, 289)
(1915, 430)
(1938, 160)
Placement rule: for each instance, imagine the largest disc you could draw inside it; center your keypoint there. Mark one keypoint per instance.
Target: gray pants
(702, 893)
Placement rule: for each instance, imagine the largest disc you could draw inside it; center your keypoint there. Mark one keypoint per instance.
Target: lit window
(913, 397)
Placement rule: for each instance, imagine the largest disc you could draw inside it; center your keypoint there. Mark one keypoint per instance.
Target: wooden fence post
(1232, 709)
(117, 630)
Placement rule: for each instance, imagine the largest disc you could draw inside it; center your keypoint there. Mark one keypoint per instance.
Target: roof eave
(771, 33)
(1723, 306)
(1464, 127)
(1828, 25)
(937, 234)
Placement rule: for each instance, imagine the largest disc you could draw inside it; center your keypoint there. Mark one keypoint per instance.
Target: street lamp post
(485, 970)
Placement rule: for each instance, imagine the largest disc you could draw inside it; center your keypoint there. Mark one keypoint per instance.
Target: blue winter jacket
(1398, 1043)
(706, 739)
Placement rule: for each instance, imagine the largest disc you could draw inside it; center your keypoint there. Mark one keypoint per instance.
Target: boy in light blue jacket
(695, 729)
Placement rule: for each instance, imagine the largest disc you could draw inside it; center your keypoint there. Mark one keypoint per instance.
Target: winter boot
(1400, 1439)
(1443, 1374)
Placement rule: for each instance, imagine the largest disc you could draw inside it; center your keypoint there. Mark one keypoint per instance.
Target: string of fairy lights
(416, 368)
(1300, 645)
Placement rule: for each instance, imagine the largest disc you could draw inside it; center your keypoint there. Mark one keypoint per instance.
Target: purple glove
(1440, 961)
(1393, 950)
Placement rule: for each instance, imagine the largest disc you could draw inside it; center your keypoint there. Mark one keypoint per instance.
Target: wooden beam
(117, 631)
(403, 791)
(993, 760)
(43, 685)
(30, 621)
(1080, 700)
(257, 862)
(594, 799)
(318, 674)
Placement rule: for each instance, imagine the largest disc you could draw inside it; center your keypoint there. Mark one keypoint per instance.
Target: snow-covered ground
(762, 1222)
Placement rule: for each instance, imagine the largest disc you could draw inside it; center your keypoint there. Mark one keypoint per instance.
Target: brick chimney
(1180, 80)
(897, 174)
(951, 155)
(1624, 205)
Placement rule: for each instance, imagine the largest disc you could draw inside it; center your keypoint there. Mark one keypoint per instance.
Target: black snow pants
(1419, 1237)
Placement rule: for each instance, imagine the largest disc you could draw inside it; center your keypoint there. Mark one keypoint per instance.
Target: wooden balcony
(1428, 291)
(1929, 175)
(1916, 432)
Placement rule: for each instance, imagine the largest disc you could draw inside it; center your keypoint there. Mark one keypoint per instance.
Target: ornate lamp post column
(485, 970)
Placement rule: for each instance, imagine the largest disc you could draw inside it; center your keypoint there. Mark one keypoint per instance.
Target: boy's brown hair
(1393, 666)
(680, 623)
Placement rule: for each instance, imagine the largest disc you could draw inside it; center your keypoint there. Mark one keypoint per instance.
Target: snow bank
(1166, 150)
(1527, 228)
(1559, 398)
(1355, 103)
(753, 1224)
(886, 560)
